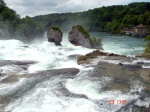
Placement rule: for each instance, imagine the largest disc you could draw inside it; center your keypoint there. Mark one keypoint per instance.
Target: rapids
(61, 94)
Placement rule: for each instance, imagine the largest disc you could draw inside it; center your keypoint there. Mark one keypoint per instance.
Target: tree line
(12, 26)
(112, 19)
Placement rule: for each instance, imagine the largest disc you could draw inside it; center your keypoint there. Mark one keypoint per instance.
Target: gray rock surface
(79, 38)
(54, 36)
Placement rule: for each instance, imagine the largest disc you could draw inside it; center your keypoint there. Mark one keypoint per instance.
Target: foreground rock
(16, 85)
(123, 75)
(16, 62)
(14, 68)
(126, 75)
(94, 54)
(74, 57)
(55, 35)
(69, 72)
(118, 66)
(79, 37)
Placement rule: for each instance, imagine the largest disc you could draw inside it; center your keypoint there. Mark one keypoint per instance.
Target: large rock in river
(79, 37)
(55, 35)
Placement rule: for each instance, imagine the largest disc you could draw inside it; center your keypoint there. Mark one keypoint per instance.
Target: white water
(47, 54)
(47, 96)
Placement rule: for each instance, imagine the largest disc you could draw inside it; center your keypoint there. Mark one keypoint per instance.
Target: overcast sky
(41, 7)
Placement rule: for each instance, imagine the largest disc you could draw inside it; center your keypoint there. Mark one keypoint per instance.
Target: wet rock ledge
(27, 81)
(84, 59)
(125, 72)
(14, 68)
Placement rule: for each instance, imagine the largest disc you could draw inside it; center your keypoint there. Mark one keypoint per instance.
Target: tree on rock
(54, 35)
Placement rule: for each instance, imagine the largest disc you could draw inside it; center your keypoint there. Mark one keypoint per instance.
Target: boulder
(79, 37)
(54, 35)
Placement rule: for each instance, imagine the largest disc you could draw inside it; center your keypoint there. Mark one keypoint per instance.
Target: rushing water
(46, 95)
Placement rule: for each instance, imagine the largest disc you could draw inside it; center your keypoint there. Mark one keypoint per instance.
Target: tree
(2, 2)
(96, 42)
(13, 26)
(147, 47)
(29, 29)
(109, 19)
(147, 38)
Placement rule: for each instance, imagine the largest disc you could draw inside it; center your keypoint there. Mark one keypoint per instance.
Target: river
(46, 95)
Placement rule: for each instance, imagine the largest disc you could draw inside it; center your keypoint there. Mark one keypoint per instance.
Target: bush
(147, 47)
(96, 42)
(147, 38)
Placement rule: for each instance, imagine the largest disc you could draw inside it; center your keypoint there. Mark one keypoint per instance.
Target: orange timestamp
(117, 102)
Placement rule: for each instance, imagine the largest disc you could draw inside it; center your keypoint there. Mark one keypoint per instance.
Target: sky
(42, 7)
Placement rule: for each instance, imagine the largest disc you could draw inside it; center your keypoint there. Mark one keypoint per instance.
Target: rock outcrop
(54, 35)
(120, 68)
(30, 80)
(79, 37)
(94, 54)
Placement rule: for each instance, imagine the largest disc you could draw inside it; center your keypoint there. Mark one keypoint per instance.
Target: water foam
(46, 95)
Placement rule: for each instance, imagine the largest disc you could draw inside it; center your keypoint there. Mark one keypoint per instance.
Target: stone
(94, 54)
(79, 37)
(55, 35)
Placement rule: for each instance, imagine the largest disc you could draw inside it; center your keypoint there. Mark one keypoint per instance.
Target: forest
(112, 19)
(12, 26)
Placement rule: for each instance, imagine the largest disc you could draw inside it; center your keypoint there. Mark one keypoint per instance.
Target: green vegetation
(147, 38)
(56, 28)
(112, 19)
(80, 29)
(28, 29)
(147, 47)
(2, 2)
(8, 20)
(96, 42)
(12, 26)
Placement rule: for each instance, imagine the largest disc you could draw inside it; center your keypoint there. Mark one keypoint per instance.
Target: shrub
(147, 47)
(96, 42)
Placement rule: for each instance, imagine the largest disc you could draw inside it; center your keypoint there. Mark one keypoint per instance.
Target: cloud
(41, 7)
